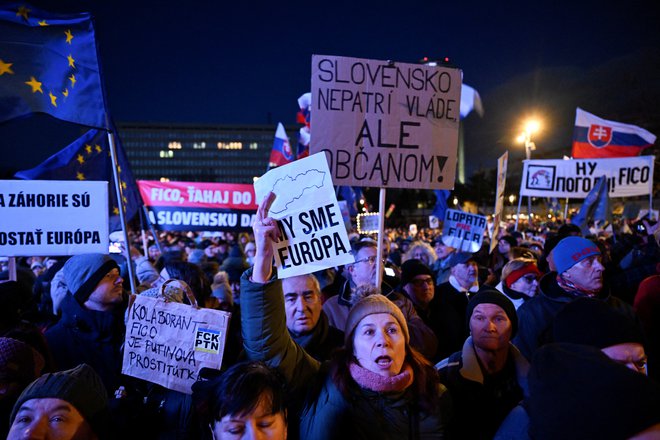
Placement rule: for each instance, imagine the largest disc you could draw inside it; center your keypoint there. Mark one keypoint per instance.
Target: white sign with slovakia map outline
(308, 215)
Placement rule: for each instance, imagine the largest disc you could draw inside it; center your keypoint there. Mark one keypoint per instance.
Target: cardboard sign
(434, 222)
(308, 216)
(463, 231)
(626, 176)
(385, 124)
(199, 206)
(168, 343)
(502, 163)
(53, 217)
(368, 223)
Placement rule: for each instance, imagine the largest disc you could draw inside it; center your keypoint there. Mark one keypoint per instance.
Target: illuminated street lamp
(531, 126)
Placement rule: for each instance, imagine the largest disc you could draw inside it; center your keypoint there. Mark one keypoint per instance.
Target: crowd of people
(552, 335)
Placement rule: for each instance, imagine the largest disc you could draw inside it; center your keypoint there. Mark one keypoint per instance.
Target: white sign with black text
(308, 215)
(574, 178)
(53, 217)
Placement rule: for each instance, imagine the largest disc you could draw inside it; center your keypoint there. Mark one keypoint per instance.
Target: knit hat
(82, 273)
(19, 362)
(81, 387)
(491, 296)
(371, 305)
(590, 321)
(412, 268)
(519, 273)
(571, 250)
(576, 392)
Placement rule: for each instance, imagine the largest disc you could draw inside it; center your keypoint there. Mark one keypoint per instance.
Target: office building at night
(198, 153)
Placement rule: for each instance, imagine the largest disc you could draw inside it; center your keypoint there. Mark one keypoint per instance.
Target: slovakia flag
(303, 142)
(282, 153)
(594, 137)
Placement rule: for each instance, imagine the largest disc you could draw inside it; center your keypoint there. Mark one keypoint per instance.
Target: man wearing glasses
(363, 272)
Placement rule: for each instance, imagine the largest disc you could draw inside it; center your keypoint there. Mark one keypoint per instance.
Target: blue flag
(349, 194)
(440, 207)
(48, 64)
(88, 158)
(595, 206)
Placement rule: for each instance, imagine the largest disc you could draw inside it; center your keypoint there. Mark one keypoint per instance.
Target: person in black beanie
(75, 399)
(488, 377)
(576, 392)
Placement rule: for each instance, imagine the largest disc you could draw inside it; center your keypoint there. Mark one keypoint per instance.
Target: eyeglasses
(420, 282)
(369, 260)
(529, 279)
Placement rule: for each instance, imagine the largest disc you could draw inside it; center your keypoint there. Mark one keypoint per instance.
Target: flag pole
(122, 217)
(381, 233)
(151, 228)
(518, 211)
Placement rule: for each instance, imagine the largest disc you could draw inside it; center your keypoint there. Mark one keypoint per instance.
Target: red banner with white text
(199, 206)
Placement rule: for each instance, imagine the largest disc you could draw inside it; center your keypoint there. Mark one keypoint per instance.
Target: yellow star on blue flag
(42, 52)
(79, 161)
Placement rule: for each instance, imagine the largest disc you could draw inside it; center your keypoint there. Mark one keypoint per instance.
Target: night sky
(247, 62)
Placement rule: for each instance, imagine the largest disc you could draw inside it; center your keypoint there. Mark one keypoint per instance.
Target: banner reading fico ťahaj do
(198, 206)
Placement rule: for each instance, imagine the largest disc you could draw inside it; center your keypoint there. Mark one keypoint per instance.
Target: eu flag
(88, 158)
(48, 64)
(440, 208)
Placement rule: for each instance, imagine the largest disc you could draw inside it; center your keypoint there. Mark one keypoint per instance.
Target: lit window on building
(199, 145)
(254, 145)
(230, 145)
(174, 146)
(164, 179)
(166, 154)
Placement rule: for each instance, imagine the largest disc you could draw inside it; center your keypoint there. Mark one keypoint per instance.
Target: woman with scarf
(376, 386)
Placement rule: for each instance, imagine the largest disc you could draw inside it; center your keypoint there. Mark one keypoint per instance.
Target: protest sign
(626, 177)
(368, 223)
(167, 343)
(308, 216)
(463, 231)
(502, 163)
(49, 217)
(385, 124)
(434, 222)
(198, 206)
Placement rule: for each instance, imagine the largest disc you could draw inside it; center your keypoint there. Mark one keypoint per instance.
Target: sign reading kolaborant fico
(384, 124)
(168, 343)
(53, 217)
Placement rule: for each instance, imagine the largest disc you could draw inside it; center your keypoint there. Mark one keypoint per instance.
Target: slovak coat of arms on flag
(594, 137)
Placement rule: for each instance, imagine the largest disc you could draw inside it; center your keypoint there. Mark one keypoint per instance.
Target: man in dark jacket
(305, 319)
(450, 302)
(91, 329)
(579, 274)
(488, 377)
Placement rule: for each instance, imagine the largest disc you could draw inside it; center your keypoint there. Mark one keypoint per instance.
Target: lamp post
(531, 126)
